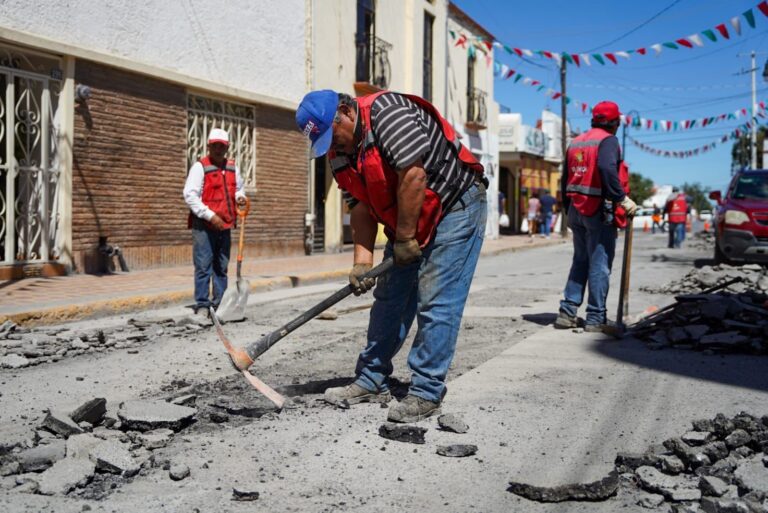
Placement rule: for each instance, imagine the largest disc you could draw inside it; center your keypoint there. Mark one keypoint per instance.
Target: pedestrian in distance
(656, 219)
(676, 209)
(547, 205)
(399, 163)
(213, 188)
(593, 190)
(534, 210)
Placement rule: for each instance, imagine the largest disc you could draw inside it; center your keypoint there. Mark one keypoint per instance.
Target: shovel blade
(233, 302)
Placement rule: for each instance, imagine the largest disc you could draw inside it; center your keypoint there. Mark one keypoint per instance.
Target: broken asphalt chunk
(65, 475)
(242, 494)
(41, 457)
(456, 450)
(59, 422)
(595, 491)
(92, 411)
(149, 415)
(113, 457)
(452, 423)
(402, 433)
(178, 472)
(674, 488)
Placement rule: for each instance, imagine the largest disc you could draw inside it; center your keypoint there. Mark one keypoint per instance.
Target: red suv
(741, 223)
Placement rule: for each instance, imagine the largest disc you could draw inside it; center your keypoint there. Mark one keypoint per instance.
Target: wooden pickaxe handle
(243, 358)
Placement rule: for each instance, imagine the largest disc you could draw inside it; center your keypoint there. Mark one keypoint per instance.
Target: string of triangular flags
(682, 154)
(731, 28)
(504, 72)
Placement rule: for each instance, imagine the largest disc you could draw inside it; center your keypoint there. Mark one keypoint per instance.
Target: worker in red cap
(592, 191)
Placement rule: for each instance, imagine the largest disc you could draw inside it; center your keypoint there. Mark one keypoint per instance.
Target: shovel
(234, 300)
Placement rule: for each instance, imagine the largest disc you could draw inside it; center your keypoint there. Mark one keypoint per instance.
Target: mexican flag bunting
(750, 17)
(696, 39)
(575, 58)
(611, 58)
(641, 51)
(763, 6)
(556, 95)
(623, 54)
(736, 24)
(656, 48)
(585, 58)
(723, 30)
(684, 42)
(598, 58)
(671, 45)
(710, 35)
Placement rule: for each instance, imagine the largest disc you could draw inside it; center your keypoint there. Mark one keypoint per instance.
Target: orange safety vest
(374, 182)
(219, 187)
(677, 209)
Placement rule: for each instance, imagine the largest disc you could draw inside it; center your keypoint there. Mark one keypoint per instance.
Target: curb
(95, 309)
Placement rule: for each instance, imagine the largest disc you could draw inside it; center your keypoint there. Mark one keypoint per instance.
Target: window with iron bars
(239, 120)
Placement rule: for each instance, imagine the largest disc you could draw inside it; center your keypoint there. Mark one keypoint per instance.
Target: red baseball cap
(605, 111)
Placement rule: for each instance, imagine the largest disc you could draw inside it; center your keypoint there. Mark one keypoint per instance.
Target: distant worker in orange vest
(594, 195)
(213, 187)
(676, 210)
(399, 163)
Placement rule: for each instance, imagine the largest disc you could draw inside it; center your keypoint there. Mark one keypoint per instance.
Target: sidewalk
(49, 300)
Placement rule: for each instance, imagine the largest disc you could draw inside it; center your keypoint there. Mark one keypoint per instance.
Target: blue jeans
(594, 246)
(546, 223)
(433, 291)
(210, 253)
(676, 234)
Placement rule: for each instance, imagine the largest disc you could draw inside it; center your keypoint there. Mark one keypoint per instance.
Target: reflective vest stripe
(208, 169)
(584, 189)
(586, 144)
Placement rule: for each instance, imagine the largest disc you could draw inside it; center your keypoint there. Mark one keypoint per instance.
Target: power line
(643, 24)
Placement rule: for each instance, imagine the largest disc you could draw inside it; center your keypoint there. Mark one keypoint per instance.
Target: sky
(675, 85)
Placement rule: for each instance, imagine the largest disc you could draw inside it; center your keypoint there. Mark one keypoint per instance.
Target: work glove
(630, 207)
(359, 284)
(406, 252)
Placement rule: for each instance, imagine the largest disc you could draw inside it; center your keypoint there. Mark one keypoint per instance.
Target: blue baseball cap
(315, 119)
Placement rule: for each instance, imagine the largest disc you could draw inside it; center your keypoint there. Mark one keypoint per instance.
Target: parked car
(741, 220)
(642, 216)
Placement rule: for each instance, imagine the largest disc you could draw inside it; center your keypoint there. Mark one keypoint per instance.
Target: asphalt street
(543, 406)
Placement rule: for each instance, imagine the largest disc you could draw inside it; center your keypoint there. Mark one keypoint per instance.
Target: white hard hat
(218, 135)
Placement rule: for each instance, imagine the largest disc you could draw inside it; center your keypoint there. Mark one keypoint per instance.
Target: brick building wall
(129, 169)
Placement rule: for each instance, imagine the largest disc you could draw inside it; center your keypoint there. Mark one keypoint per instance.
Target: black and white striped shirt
(405, 133)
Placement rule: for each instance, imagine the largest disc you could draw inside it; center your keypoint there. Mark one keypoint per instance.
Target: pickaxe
(243, 358)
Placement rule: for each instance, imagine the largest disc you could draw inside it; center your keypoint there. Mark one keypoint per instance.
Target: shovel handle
(241, 243)
(255, 349)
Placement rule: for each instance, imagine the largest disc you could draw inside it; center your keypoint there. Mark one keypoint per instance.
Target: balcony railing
(373, 66)
(477, 114)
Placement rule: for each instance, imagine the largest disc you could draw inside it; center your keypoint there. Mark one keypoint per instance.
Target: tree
(640, 187)
(741, 152)
(698, 194)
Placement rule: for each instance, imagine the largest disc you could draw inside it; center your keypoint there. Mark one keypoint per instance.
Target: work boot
(608, 327)
(565, 321)
(412, 409)
(354, 394)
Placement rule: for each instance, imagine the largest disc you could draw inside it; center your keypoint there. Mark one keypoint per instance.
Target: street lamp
(633, 115)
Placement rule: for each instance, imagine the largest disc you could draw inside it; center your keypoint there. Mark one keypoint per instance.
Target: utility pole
(564, 148)
(753, 124)
(754, 113)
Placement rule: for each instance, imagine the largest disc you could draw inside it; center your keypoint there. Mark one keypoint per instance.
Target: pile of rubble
(69, 451)
(712, 323)
(701, 240)
(750, 277)
(22, 347)
(721, 466)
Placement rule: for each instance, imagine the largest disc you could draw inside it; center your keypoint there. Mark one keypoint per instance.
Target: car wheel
(720, 257)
